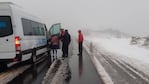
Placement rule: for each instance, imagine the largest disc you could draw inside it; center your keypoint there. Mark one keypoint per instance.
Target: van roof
(11, 3)
(7, 3)
(15, 5)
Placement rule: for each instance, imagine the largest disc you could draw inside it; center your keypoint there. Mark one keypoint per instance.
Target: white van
(22, 36)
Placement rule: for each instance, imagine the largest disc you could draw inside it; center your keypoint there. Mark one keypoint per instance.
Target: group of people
(65, 39)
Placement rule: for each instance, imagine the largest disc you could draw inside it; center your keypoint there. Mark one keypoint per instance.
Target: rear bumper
(9, 60)
(6, 60)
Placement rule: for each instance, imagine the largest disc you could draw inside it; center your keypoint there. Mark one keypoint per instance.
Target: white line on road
(133, 70)
(124, 69)
(139, 74)
(101, 71)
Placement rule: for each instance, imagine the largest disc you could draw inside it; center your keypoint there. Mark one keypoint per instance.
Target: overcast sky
(130, 16)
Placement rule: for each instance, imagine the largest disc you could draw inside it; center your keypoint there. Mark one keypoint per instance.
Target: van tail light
(17, 44)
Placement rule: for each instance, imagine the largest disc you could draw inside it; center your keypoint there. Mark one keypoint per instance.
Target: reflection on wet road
(34, 75)
(80, 66)
(82, 70)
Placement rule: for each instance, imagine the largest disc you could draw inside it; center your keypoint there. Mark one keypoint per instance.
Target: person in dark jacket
(80, 42)
(66, 42)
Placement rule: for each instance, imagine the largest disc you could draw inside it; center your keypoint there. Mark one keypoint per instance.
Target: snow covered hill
(118, 46)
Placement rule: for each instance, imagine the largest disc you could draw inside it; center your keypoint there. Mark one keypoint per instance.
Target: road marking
(133, 70)
(124, 69)
(100, 69)
(137, 73)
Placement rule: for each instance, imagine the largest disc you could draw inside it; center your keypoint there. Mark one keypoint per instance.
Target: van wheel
(33, 58)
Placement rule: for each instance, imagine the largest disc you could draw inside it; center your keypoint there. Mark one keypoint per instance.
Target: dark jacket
(66, 38)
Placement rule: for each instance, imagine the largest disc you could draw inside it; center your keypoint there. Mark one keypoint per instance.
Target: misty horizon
(129, 16)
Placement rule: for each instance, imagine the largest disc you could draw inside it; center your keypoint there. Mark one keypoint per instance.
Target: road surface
(82, 68)
(121, 72)
(34, 74)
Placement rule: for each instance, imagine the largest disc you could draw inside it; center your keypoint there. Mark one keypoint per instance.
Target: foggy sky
(130, 16)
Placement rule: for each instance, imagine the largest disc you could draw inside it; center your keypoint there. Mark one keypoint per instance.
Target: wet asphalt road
(33, 75)
(121, 72)
(82, 69)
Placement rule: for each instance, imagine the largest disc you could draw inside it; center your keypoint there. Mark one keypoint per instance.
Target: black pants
(80, 48)
(65, 49)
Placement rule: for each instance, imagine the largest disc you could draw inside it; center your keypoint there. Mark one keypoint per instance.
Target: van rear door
(55, 30)
(7, 44)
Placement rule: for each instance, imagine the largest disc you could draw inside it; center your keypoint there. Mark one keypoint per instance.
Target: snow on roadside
(120, 48)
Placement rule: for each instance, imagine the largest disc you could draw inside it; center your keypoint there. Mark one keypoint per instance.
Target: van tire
(33, 58)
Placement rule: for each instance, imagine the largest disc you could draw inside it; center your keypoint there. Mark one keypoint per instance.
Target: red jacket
(80, 37)
(62, 34)
(54, 40)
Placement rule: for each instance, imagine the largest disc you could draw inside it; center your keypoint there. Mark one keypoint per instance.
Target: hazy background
(130, 16)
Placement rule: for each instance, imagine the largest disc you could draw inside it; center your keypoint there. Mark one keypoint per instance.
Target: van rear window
(2, 24)
(5, 26)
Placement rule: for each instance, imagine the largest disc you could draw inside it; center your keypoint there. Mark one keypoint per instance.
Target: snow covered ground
(120, 48)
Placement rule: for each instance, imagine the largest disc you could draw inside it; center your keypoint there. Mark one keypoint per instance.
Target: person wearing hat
(80, 42)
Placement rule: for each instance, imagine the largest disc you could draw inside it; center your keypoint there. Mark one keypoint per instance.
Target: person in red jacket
(62, 34)
(80, 42)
